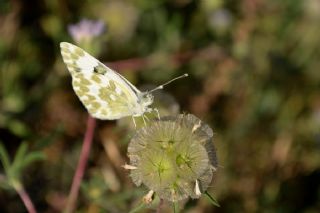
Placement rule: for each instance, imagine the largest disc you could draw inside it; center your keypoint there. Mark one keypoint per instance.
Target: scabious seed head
(174, 157)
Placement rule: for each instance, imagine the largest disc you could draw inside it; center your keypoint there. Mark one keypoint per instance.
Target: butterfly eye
(147, 99)
(150, 97)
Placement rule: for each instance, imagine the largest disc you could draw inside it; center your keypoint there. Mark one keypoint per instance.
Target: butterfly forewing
(105, 93)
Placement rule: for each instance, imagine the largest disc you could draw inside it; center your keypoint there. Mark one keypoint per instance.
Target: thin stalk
(88, 138)
(25, 198)
(160, 206)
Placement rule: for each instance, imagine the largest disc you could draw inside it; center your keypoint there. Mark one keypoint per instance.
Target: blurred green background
(254, 78)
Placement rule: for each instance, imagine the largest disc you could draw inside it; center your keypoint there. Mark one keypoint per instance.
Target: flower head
(85, 30)
(174, 157)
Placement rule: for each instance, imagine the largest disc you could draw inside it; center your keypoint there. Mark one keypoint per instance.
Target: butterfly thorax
(145, 99)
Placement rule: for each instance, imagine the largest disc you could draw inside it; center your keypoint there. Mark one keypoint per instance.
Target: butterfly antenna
(162, 85)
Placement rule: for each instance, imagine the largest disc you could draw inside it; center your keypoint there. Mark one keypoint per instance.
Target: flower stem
(160, 206)
(25, 199)
(88, 138)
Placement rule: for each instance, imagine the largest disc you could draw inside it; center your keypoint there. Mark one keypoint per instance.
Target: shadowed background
(254, 78)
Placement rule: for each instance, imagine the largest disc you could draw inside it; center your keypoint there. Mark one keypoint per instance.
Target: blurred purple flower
(221, 19)
(86, 30)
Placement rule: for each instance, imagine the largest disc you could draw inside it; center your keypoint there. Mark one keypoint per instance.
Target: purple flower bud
(86, 30)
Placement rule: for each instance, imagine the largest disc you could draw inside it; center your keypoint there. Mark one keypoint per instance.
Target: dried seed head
(174, 157)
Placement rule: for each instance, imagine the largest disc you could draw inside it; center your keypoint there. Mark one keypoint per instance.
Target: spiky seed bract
(173, 157)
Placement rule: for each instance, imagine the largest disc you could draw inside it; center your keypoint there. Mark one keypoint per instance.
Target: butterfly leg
(146, 117)
(134, 122)
(144, 121)
(158, 114)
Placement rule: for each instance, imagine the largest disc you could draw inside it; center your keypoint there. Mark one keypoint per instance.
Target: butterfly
(106, 94)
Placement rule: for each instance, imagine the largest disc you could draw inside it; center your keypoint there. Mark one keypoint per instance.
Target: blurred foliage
(254, 67)
(13, 171)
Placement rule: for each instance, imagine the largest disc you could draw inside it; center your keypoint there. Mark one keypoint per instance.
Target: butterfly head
(146, 99)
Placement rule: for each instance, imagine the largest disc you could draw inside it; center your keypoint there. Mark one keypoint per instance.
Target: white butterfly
(105, 93)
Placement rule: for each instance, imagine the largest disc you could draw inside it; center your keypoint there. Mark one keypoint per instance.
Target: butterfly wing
(105, 94)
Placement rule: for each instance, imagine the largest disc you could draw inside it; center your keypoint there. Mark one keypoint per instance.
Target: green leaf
(19, 157)
(18, 128)
(50, 138)
(33, 156)
(4, 157)
(212, 199)
(23, 159)
(138, 208)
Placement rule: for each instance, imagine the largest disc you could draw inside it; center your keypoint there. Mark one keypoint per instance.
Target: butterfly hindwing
(104, 93)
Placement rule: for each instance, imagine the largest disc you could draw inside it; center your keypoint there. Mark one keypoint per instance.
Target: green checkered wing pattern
(106, 94)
